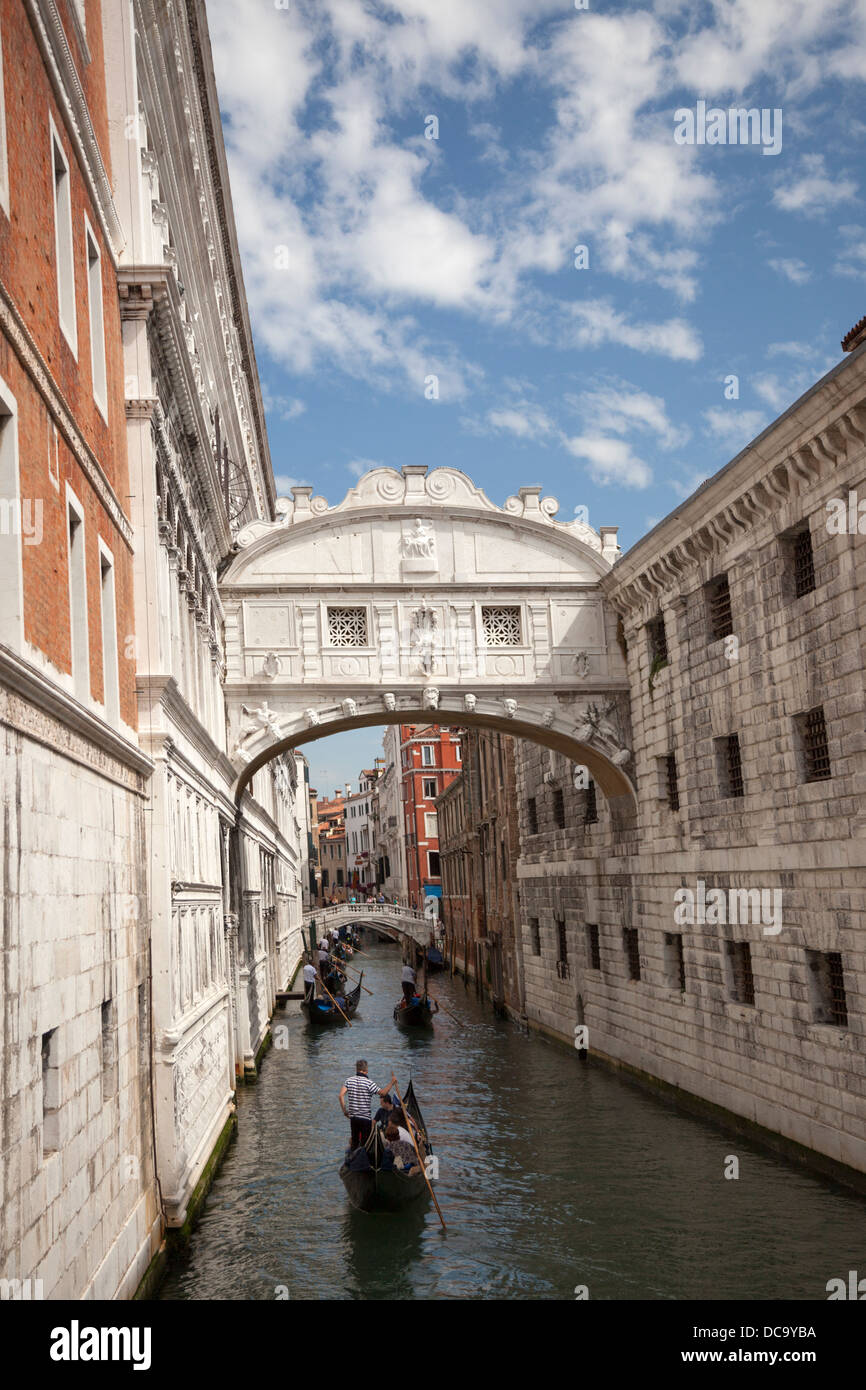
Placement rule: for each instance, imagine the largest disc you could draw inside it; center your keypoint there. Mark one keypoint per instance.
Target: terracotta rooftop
(855, 336)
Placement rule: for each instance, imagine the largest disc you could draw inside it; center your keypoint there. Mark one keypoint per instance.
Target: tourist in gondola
(355, 1101)
(403, 1150)
(309, 983)
(384, 1115)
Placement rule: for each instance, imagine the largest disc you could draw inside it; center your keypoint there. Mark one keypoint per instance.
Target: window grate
(559, 807)
(563, 969)
(733, 766)
(673, 788)
(719, 598)
(804, 563)
(501, 626)
(562, 939)
(676, 960)
(593, 946)
(532, 815)
(837, 1003)
(658, 641)
(632, 951)
(740, 956)
(815, 749)
(590, 810)
(347, 627)
(535, 935)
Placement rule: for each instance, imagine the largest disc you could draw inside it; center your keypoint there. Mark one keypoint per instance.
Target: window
(729, 765)
(718, 600)
(503, 859)
(827, 988)
(429, 788)
(11, 523)
(50, 1092)
(802, 562)
(347, 627)
(658, 642)
(325, 879)
(80, 651)
(535, 935)
(431, 825)
(811, 728)
(458, 753)
(63, 241)
(339, 878)
(4, 162)
(673, 792)
(593, 946)
(109, 1049)
(97, 322)
(428, 755)
(563, 969)
(433, 863)
(590, 809)
(501, 626)
(741, 982)
(109, 637)
(559, 807)
(532, 815)
(632, 951)
(675, 968)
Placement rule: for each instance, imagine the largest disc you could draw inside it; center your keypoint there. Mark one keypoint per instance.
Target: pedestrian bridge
(385, 917)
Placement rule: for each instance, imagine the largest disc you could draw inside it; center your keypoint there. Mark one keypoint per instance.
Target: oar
(411, 1129)
(364, 987)
(447, 1011)
(334, 1002)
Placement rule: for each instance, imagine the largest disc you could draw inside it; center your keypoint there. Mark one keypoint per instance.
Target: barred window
(741, 978)
(501, 626)
(532, 816)
(672, 785)
(804, 563)
(827, 988)
(658, 642)
(561, 939)
(559, 807)
(675, 966)
(718, 596)
(593, 948)
(730, 766)
(535, 935)
(632, 951)
(347, 627)
(812, 729)
(590, 809)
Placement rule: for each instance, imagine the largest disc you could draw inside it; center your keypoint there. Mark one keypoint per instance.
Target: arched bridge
(406, 921)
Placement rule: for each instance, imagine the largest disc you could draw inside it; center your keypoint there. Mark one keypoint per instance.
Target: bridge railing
(366, 910)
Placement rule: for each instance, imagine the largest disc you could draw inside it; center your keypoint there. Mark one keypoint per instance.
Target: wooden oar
(334, 1002)
(411, 1127)
(360, 977)
(447, 1011)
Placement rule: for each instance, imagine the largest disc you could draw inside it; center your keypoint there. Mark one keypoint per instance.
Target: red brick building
(429, 758)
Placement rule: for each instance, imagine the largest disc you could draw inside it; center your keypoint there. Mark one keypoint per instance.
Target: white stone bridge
(385, 917)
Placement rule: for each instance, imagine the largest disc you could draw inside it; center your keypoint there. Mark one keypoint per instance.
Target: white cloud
(621, 407)
(610, 460)
(815, 191)
(793, 269)
(687, 484)
(596, 321)
(284, 407)
(358, 467)
(732, 427)
(852, 257)
(284, 484)
(524, 420)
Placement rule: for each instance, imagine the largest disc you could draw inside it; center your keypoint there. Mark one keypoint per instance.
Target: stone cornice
(50, 35)
(34, 364)
(37, 690)
(164, 690)
(802, 448)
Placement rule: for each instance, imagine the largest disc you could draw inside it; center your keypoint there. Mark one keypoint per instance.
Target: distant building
(428, 759)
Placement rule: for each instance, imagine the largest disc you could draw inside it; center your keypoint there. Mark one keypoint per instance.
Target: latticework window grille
(347, 627)
(632, 951)
(719, 598)
(838, 1006)
(815, 749)
(501, 626)
(804, 564)
(742, 980)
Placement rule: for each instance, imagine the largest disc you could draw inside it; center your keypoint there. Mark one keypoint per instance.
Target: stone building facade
(716, 944)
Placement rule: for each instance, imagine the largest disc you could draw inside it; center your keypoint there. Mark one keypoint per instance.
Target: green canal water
(553, 1173)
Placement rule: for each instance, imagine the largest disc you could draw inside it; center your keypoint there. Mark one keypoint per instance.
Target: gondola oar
(440, 1005)
(411, 1128)
(334, 1002)
(358, 977)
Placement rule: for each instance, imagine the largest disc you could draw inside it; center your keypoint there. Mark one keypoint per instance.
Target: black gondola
(323, 1011)
(384, 1189)
(415, 1015)
(435, 959)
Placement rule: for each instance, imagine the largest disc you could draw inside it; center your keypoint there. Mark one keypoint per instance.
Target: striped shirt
(359, 1090)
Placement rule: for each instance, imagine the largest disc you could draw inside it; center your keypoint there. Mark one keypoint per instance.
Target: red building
(429, 758)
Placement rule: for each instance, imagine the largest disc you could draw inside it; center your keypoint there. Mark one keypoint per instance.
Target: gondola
(323, 1011)
(435, 959)
(415, 1015)
(382, 1189)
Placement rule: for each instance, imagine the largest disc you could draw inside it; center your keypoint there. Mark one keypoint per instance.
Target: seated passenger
(405, 1157)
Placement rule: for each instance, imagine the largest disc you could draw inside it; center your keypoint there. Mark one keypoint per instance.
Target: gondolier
(408, 982)
(324, 967)
(355, 1097)
(310, 978)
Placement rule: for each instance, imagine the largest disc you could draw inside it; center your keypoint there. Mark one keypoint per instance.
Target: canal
(553, 1173)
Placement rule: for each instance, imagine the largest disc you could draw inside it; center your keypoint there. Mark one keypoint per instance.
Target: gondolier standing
(408, 982)
(355, 1098)
(309, 982)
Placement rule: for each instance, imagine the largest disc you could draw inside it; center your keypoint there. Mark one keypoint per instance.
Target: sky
(411, 181)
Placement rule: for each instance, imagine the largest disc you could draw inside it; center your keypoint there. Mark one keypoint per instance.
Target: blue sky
(375, 257)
